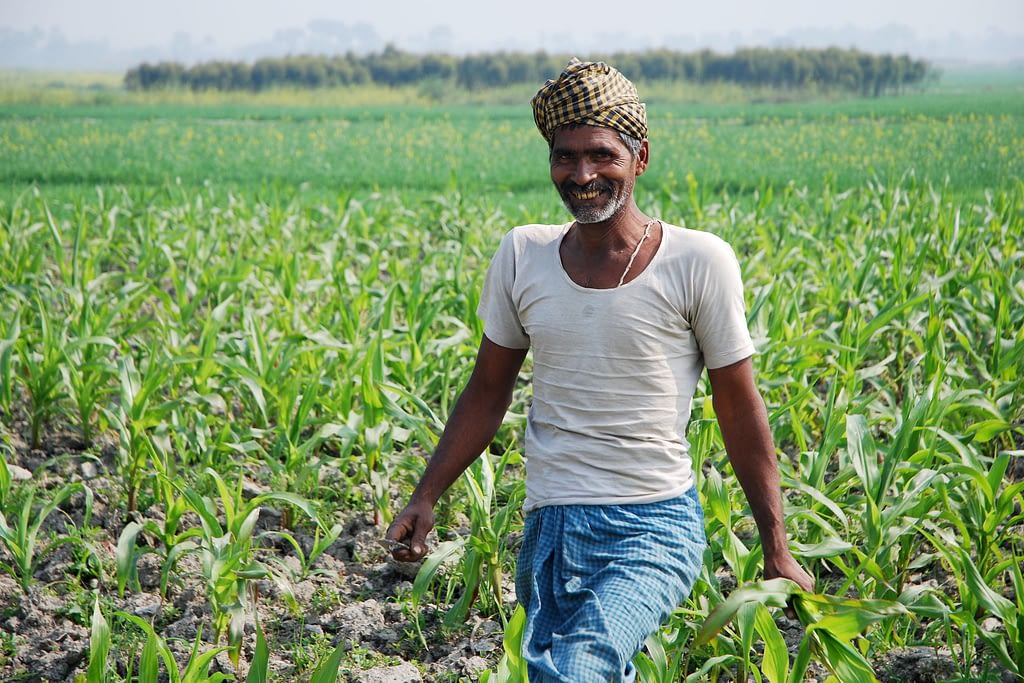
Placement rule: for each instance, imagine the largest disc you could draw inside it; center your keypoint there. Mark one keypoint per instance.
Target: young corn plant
(8, 362)
(263, 367)
(99, 646)
(983, 506)
(127, 555)
(722, 538)
(139, 410)
(978, 598)
(668, 654)
(203, 355)
(20, 527)
(197, 667)
(89, 371)
(482, 554)
(889, 520)
(1008, 645)
(323, 538)
(172, 540)
(286, 405)
(89, 376)
(294, 457)
(512, 666)
(227, 552)
(375, 427)
(6, 482)
(491, 521)
(831, 626)
(40, 361)
(228, 562)
(172, 545)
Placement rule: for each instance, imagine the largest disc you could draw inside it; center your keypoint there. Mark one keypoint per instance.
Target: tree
(831, 69)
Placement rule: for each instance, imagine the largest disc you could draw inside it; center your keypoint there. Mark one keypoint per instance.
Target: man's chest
(637, 323)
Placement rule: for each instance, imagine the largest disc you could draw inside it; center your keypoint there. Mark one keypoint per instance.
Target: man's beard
(589, 213)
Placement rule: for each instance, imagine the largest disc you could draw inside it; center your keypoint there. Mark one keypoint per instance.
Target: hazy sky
(125, 24)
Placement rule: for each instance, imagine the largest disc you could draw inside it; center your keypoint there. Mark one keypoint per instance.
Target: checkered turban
(589, 93)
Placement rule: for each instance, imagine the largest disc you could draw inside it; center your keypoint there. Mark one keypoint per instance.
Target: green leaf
(198, 668)
(771, 593)
(657, 663)
(236, 631)
(874, 608)
(844, 661)
(701, 674)
(248, 524)
(157, 643)
(293, 499)
(847, 625)
(149, 664)
(828, 547)
(99, 645)
(178, 550)
(922, 601)
(253, 570)
(327, 671)
(986, 430)
(800, 662)
(513, 643)
(716, 498)
(989, 599)
(431, 564)
(471, 570)
(775, 663)
(863, 452)
(744, 625)
(125, 554)
(259, 667)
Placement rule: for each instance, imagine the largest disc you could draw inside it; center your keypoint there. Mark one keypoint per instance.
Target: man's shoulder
(534, 235)
(538, 231)
(696, 243)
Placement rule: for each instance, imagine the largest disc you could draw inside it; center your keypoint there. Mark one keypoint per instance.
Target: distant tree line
(831, 69)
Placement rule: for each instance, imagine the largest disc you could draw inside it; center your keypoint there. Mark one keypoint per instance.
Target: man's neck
(618, 233)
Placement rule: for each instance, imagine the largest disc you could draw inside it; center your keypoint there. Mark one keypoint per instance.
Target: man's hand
(411, 527)
(785, 566)
(471, 426)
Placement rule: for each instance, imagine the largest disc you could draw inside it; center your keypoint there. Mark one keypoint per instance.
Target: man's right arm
(474, 421)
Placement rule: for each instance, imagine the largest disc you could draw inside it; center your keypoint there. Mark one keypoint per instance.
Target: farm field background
(230, 330)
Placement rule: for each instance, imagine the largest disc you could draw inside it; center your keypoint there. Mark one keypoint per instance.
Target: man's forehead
(586, 137)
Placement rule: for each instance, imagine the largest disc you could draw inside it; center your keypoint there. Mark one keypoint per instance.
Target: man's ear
(643, 158)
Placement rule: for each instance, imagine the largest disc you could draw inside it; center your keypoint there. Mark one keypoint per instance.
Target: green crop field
(944, 140)
(230, 331)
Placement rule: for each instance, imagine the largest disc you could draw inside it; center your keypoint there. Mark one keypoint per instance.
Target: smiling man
(623, 313)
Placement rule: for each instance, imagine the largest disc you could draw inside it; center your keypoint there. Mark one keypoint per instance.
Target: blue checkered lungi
(596, 580)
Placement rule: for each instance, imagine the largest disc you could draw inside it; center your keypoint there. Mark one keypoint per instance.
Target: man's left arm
(743, 420)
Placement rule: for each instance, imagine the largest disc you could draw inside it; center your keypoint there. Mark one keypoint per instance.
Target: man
(623, 312)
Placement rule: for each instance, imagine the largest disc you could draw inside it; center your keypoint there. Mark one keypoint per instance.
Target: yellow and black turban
(589, 93)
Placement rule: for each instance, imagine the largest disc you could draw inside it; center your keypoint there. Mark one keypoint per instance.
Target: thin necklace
(636, 250)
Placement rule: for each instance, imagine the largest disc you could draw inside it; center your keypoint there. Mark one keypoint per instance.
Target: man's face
(594, 171)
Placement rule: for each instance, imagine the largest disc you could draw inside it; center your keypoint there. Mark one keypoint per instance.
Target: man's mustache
(569, 186)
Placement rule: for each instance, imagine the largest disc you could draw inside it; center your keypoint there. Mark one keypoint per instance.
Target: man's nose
(583, 172)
